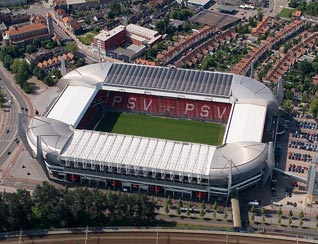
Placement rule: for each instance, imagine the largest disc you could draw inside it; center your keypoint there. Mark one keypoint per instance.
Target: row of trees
(202, 212)
(49, 207)
(279, 213)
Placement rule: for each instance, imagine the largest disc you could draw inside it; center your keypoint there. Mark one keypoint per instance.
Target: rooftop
(169, 79)
(227, 8)
(105, 35)
(199, 2)
(212, 18)
(27, 28)
(140, 153)
(139, 30)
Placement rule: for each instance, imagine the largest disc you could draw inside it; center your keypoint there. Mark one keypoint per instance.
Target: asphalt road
(18, 102)
(7, 138)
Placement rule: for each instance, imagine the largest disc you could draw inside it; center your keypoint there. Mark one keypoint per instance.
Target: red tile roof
(26, 29)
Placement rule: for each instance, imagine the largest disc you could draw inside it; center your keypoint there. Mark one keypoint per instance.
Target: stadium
(162, 130)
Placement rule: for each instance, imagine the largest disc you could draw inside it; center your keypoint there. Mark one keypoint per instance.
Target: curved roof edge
(245, 158)
(54, 134)
(249, 90)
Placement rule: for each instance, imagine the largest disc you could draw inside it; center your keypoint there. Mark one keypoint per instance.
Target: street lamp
(28, 173)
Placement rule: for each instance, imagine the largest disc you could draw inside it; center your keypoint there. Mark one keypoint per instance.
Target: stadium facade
(65, 142)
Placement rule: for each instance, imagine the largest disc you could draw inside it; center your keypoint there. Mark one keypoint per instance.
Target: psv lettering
(188, 107)
(205, 111)
(117, 99)
(131, 103)
(221, 114)
(146, 106)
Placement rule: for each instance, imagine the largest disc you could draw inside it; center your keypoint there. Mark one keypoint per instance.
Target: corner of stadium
(66, 141)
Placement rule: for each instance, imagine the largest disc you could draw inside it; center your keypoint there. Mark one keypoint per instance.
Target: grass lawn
(286, 12)
(87, 38)
(164, 128)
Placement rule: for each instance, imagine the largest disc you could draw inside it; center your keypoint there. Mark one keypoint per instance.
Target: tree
(21, 69)
(186, 27)
(290, 221)
(1, 98)
(263, 219)
(279, 220)
(7, 62)
(71, 47)
(80, 62)
(301, 215)
(36, 42)
(179, 206)
(27, 87)
(279, 212)
(251, 22)
(48, 80)
(45, 197)
(290, 213)
(19, 209)
(169, 201)
(20, 78)
(313, 108)
(39, 73)
(115, 9)
(253, 217)
(259, 14)
(56, 73)
(301, 223)
(215, 206)
(50, 207)
(304, 98)
(188, 210)
(167, 208)
(30, 49)
(252, 210)
(19, 64)
(225, 216)
(289, 95)
(262, 210)
(48, 44)
(288, 105)
(203, 205)
(214, 215)
(202, 212)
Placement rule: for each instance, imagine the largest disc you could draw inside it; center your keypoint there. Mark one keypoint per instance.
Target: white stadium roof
(140, 153)
(247, 123)
(72, 104)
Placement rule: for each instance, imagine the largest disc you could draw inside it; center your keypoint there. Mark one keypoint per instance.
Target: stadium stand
(72, 153)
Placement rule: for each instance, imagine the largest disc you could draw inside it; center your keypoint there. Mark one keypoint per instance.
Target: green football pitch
(164, 128)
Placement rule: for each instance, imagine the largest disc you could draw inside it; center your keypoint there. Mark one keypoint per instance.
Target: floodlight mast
(229, 182)
(230, 176)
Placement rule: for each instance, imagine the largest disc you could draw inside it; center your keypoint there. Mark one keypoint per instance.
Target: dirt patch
(37, 85)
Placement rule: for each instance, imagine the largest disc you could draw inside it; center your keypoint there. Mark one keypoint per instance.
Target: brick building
(131, 33)
(25, 34)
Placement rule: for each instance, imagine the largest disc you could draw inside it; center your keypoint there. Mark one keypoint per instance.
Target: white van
(254, 203)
